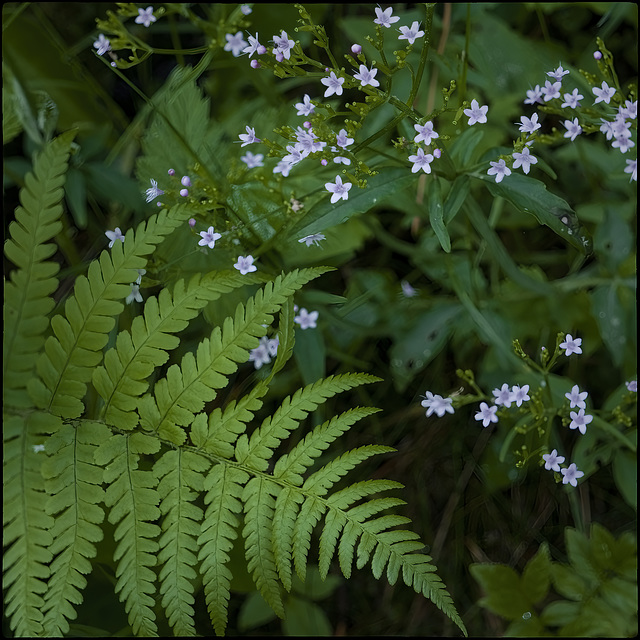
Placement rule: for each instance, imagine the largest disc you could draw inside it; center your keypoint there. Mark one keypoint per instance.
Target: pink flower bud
(184, 193)
(186, 181)
(306, 124)
(323, 162)
(437, 153)
(255, 64)
(192, 222)
(159, 204)
(356, 49)
(171, 172)
(279, 56)
(261, 50)
(597, 55)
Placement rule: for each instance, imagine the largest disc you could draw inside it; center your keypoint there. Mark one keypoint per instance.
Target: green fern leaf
(26, 525)
(122, 379)
(76, 348)
(73, 484)
(189, 386)
(259, 501)
(310, 513)
(267, 437)
(27, 301)
(284, 518)
(180, 476)
(133, 501)
(224, 485)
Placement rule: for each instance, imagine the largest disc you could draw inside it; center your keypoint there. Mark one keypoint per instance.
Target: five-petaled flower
(283, 45)
(102, 44)
(520, 394)
(579, 420)
(367, 76)
(551, 90)
(524, 160)
(557, 73)
(529, 125)
(552, 460)
(571, 475)
(249, 137)
(476, 113)
(572, 100)
(499, 170)
(114, 235)
(236, 44)
(425, 133)
(209, 238)
(487, 414)
(153, 191)
(314, 238)
(254, 46)
(384, 18)
(632, 386)
(245, 265)
(411, 34)
(534, 95)
(570, 345)
(422, 161)
(576, 398)
(604, 93)
(342, 139)
(145, 16)
(333, 84)
(252, 160)
(306, 319)
(435, 403)
(264, 351)
(134, 295)
(573, 129)
(503, 395)
(338, 190)
(305, 108)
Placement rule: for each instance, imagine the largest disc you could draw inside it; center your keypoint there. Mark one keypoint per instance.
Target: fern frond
(310, 513)
(76, 348)
(122, 379)
(224, 485)
(133, 502)
(189, 386)
(259, 501)
(284, 518)
(26, 525)
(256, 451)
(73, 483)
(27, 301)
(180, 477)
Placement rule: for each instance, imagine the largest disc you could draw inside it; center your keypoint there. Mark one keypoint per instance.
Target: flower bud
(356, 49)
(597, 55)
(192, 222)
(186, 181)
(184, 193)
(437, 153)
(255, 64)
(171, 172)
(323, 162)
(261, 50)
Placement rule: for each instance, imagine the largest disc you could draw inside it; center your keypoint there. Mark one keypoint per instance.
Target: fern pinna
(146, 454)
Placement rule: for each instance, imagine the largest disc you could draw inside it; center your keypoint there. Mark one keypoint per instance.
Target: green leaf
(304, 618)
(503, 589)
(325, 214)
(625, 474)
(531, 196)
(436, 215)
(536, 576)
(612, 319)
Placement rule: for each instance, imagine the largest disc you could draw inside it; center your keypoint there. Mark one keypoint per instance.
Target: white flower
(367, 76)
(407, 290)
(246, 9)
(632, 168)
(283, 45)
(209, 238)
(306, 320)
(102, 44)
(305, 108)
(571, 100)
(314, 238)
(632, 386)
(552, 461)
(421, 161)
(476, 113)
(570, 345)
(384, 18)
(338, 190)
(487, 414)
(576, 399)
(534, 95)
(499, 170)
(411, 34)
(524, 160)
(260, 355)
(254, 46)
(295, 155)
(141, 272)
(520, 394)
(604, 93)
(437, 404)
(114, 235)
(623, 143)
(342, 139)
(551, 90)
(134, 295)
(333, 84)
(503, 395)
(145, 16)
(153, 191)
(425, 133)
(249, 137)
(37, 448)
(580, 420)
(236, 44)
(571, 475)
(529, 125)
(573, 129)
(283, 167)
(252, 160)
(245, 265)
(557, 74)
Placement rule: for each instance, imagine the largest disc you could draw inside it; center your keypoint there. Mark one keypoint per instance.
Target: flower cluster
(262, 354)
(570, 474)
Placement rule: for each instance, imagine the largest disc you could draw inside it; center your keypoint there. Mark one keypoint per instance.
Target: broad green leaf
(611, 317)
(531, 196)
(537, 575)
(625, 474)
(503, 590)
(305, 618)
(436, 216)
(325, 214)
